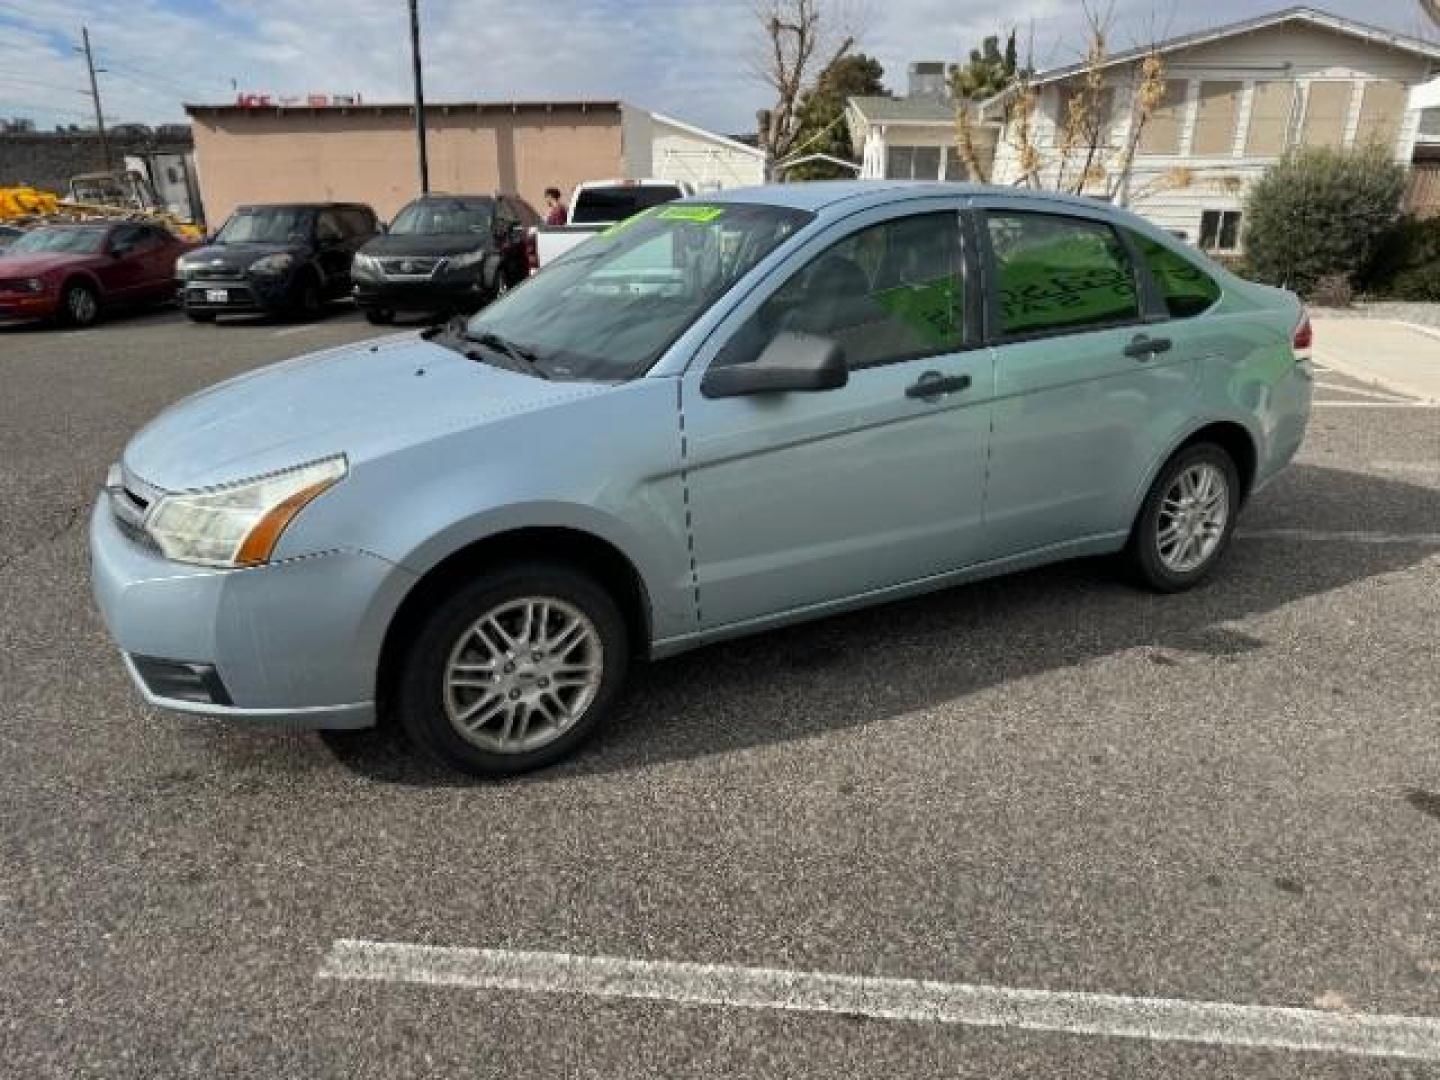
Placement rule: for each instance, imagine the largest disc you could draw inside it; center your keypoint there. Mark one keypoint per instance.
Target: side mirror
(792, 361)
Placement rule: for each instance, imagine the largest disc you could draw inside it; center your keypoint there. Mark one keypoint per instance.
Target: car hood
(442, 244)
(362, 400)
(240, 254)
(34, 263)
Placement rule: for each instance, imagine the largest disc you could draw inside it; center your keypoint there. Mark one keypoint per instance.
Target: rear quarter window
(1187, 289)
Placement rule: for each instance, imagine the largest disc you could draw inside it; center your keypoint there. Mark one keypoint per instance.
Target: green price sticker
(691, 213)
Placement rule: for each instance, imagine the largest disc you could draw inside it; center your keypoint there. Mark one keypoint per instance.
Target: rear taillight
(532, 251)
(1304, 337)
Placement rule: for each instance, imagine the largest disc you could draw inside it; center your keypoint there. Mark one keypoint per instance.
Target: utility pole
(95, 96)
(419, 96)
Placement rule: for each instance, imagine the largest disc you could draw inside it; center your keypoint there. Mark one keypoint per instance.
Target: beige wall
(369, 156)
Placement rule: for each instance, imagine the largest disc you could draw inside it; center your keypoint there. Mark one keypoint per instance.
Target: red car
(71, 272)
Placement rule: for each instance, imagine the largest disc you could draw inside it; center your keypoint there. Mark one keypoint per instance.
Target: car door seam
(685, 499)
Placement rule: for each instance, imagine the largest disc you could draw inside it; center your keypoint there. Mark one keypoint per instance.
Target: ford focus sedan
(715, 418)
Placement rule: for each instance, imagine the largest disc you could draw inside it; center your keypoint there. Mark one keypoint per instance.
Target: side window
(357, 222)
(327, 226)
(893, 291)
(1059, 273)
(1187, 289)
(127, 238)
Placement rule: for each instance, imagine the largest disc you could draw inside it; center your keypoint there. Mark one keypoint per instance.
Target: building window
(1220, 230)
(912, 163)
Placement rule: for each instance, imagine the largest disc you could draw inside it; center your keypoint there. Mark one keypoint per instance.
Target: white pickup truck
(597, 205)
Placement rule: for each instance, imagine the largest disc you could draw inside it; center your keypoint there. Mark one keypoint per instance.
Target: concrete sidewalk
(1397, 356)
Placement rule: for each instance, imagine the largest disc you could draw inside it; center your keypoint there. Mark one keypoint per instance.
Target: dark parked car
(8, 235)
(72, 272)
(285, 258)
(445, 253)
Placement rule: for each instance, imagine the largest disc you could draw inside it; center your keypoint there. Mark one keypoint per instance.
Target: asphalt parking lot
(1050, 784)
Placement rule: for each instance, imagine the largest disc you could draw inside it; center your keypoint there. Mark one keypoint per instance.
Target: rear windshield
(447, 217)
(268, 225)
(603, 204)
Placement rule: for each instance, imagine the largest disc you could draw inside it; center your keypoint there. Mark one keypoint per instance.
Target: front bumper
(294, 644)
(29, 305)
(241, 296)
(420, 295)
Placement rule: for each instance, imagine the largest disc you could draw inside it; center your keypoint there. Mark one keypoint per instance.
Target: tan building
(366, 153)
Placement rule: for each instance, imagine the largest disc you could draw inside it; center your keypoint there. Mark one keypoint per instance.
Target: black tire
(421, 697)
(1143, 552)
(379, 316)
(79, 304)
(199, 316)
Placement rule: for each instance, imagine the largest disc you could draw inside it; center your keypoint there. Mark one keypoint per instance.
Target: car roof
(821, 195)
(304, 206)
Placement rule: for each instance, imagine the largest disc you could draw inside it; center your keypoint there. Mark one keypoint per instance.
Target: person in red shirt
(554, 207)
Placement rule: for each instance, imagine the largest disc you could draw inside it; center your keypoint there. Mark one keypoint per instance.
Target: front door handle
(1142, 347)
(934, 385)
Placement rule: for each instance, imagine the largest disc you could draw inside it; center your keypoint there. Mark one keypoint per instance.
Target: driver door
(799, 499)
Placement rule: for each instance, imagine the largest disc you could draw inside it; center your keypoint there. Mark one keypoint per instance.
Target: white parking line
(1375, 405)
(912, 1000)
(287, 331)
(1343, 536)
(1378, 395)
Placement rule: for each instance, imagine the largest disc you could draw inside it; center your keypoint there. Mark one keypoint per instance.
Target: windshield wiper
(509, 348)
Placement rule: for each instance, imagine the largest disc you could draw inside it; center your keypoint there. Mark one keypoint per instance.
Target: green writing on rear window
(691, 213)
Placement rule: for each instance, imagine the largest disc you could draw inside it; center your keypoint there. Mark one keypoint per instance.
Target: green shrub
(1407, 250)
(1319, 212)
(1419, 283)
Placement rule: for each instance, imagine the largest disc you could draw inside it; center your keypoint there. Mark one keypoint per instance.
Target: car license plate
(217, 296)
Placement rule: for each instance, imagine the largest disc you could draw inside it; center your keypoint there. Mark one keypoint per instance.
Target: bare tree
(801, 39)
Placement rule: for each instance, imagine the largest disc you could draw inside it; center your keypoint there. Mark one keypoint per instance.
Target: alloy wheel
(81, 305)
(523, 674)
(1193, 517)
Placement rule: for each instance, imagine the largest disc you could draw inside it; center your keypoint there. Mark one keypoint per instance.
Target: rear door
(1087, 382)
(122, 274)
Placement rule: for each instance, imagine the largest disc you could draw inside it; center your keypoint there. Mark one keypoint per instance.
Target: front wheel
(379, 316)
(1187, 519)
(514, 671)
(79, 305)
(199, 316)
(308, 301)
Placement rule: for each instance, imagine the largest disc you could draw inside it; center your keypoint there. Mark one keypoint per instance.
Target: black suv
(288, 258)
(445, 254)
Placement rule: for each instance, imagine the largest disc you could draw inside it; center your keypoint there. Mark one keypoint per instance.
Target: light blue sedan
(717, 417)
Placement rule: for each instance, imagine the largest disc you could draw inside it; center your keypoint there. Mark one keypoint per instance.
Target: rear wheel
(1187, 519)
(514, 671)
(79, 304)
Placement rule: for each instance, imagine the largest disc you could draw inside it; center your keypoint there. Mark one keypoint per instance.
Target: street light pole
(95, 96)
(419, 96)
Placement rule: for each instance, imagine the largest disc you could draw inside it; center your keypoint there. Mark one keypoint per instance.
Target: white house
(669, 149)
(1235, 98)
(911, 137)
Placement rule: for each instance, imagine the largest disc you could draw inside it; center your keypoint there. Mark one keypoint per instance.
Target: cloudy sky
(690, 58)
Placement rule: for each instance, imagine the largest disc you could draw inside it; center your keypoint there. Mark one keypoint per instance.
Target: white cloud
(690, 58)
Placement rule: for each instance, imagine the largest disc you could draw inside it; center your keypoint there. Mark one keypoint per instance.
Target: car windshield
(76, 241)
(267, 225)
(608, 309)
(447, 217)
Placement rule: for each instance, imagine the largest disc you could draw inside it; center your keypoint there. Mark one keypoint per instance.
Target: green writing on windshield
(621, 226)
(691, 213)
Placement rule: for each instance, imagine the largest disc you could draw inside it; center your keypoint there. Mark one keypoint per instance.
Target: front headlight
(34, 284)
(238, 524)
(272, 265)
(366, 266)
(466, 260)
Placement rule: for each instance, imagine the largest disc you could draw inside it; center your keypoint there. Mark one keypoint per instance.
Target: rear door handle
(933, 385)
(1142, 347)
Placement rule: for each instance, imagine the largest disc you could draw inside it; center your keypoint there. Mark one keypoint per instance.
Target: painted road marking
(287, 331)
(1378, 395)
(910, 1000)
(1344, 536)
(1375, 405)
